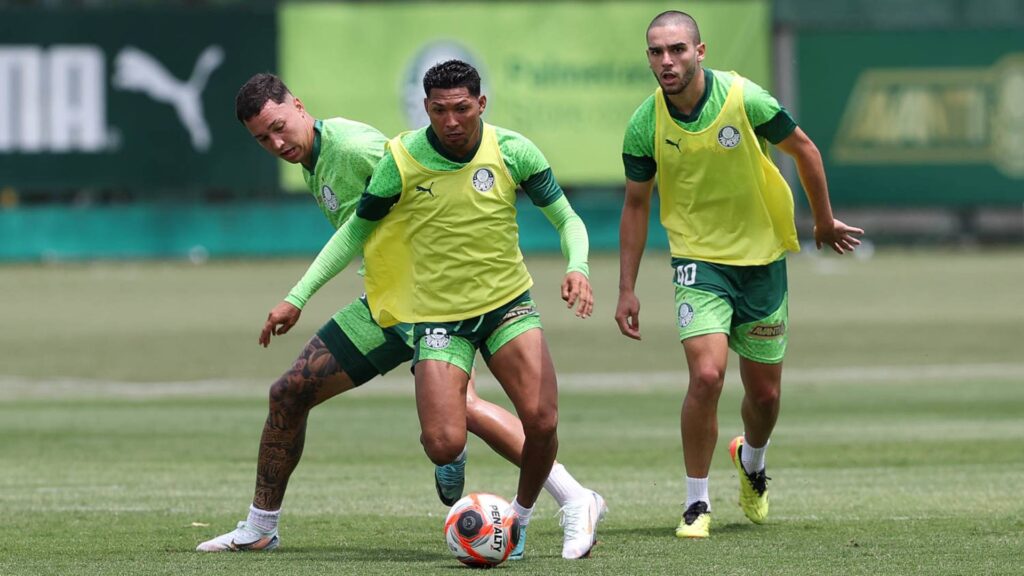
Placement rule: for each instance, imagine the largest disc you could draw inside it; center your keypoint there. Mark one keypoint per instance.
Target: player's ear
(483, 102)
(701, 48)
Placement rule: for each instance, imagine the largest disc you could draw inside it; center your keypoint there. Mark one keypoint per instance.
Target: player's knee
(442, 448)
(706, 381)
(540, 424)
(765, 399)
(280, 391)
(286, 393)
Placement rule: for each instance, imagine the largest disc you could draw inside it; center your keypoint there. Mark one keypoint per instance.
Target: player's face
(283, 130)
(455, 117)
(673, 56)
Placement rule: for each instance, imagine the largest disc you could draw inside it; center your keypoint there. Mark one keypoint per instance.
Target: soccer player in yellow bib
(729, 217)
(338, 157)
(442, 253)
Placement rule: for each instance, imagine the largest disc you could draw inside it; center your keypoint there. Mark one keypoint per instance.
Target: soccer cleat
(520, 549)
(243, 538)
(450, 479)
(579, 522)
(753, 486)
(696, 522)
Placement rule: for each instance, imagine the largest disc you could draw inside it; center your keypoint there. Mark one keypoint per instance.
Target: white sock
(262, 519)
(696, 490)
(753, 458)
(524, 513)
(562, 486)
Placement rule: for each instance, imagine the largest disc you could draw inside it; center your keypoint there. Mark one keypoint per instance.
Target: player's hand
(839, 237)
(279, 321)
(627, 315)
(576, 291)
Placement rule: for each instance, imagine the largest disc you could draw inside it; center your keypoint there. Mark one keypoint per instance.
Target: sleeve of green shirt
(383, 191)
(530, 169)
(339, 251)
(572, 234)
(638, 144)
(770, 120)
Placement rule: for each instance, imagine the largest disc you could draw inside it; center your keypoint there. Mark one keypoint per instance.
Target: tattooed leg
(314, 377)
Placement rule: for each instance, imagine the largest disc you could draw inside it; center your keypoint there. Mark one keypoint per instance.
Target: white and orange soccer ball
(481, 530)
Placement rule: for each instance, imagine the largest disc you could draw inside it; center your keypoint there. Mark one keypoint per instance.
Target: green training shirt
(345, 152)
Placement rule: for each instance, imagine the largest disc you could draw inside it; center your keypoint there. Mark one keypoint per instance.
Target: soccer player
(338, 157)
(442, 253)
(729, 217)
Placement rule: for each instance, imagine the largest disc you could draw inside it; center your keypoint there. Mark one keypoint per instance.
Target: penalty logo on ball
(481, 530)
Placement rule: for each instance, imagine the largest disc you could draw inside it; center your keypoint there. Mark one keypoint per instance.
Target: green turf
(155, 322)
(898, 450)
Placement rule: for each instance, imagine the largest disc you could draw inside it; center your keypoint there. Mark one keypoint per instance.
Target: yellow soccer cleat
(753, 486)
(696, 522)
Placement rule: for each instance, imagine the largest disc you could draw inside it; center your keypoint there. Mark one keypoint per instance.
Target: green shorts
(361, 347)
(457, 342)
(749, 303)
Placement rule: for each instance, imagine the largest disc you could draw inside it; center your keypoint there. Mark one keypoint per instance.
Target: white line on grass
(400, 382)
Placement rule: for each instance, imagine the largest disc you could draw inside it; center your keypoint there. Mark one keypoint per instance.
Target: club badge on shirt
(729, 137)
(330, 199)
(483, 179)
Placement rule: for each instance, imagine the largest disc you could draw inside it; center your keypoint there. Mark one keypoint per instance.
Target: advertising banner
(568, 75)
(916, 117)
(145, 99)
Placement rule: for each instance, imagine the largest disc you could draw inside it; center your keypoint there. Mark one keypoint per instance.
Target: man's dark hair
(452, 74)
(676, 18)
(253, 95)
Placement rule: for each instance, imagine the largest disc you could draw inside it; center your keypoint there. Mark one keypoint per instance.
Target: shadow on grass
(669, 532)
(365, 554)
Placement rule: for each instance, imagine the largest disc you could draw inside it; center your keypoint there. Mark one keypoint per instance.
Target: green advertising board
(916, 117)
(130, 98)
(568, 75)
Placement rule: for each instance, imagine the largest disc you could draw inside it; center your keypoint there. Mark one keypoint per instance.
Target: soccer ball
(481, 530)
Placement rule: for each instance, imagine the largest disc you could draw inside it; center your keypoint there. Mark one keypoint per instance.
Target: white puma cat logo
(138, 71)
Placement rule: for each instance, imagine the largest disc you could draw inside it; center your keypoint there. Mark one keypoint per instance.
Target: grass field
(132, 397)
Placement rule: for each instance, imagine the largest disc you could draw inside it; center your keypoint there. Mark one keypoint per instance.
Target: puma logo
(138, 71)
(427, 190)
(676, 143)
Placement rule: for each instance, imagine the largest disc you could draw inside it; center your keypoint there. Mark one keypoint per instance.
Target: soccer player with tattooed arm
(441, 254)
(338, 157)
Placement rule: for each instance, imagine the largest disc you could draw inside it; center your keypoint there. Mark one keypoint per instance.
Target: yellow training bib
(449, 249)
(722, 198)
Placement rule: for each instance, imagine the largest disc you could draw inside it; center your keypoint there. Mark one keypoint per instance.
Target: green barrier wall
(568, 75)
(274, 228)
(122, 98)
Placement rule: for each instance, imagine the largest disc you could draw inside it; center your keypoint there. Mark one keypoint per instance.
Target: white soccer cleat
(579, 521)
(243, 538)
